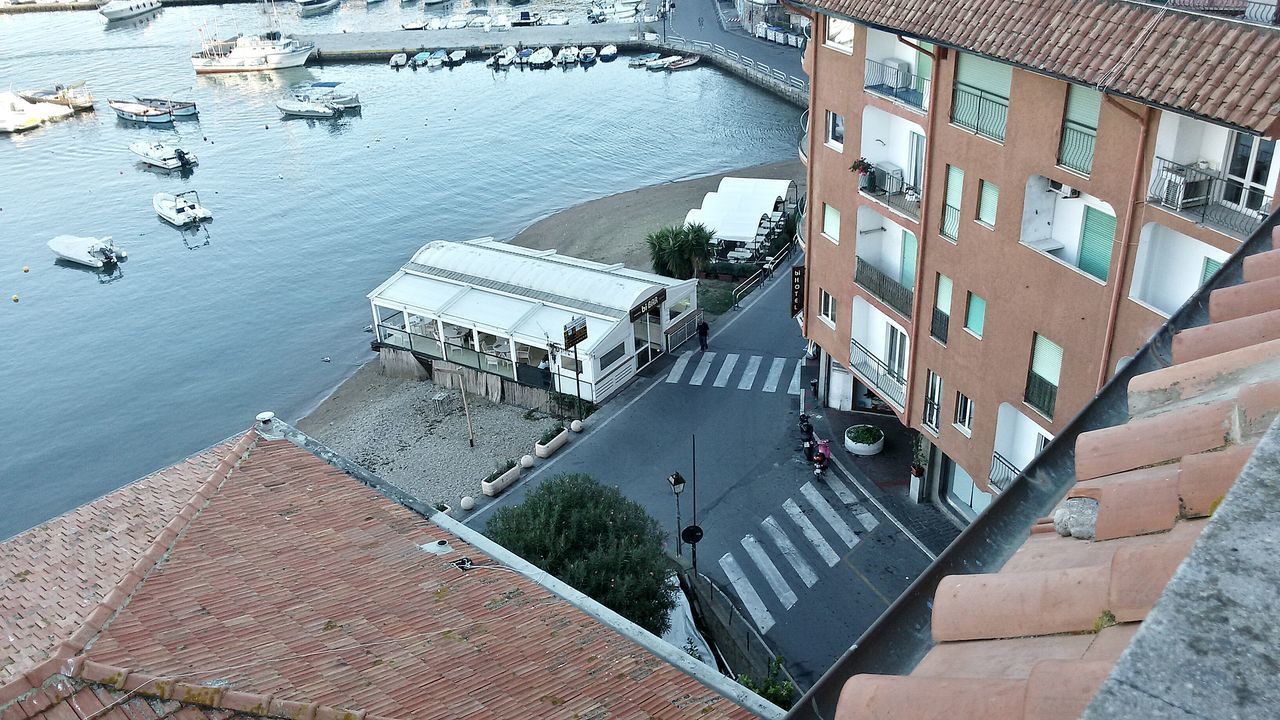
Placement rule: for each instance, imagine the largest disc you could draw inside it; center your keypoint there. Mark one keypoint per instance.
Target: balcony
(1019, 439)
(1070, 227)
(950, 223)
(804, 137)
(892, 386)
(1170, 266)
(895, 81)
(1002, 473)
(888, 290)
(938, 328)
(1203, 196)
(1262, 12)
(1076, 151)
(885, 185)
(979, 112)
(1041, 394)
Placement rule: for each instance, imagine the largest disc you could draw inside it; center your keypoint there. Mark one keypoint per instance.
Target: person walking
(703, 330)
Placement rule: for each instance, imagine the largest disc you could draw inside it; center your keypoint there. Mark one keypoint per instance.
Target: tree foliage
(595, 539)
(773, 687)
(680, 251)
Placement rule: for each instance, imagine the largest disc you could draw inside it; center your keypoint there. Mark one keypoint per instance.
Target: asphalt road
(820, 560)
(684, 23)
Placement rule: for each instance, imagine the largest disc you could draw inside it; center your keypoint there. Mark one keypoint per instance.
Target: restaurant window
(613, 356)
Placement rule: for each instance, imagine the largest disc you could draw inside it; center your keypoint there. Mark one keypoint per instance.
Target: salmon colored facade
(1018, 201)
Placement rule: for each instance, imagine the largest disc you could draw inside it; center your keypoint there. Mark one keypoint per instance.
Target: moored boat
(399, 60)
(250, 53)
(661, 63)
(587, 55)
(18, 115)
(89, 251)
(684, 62)
(415, 25)
(481, 22)
(555, 19)
(527, 18)
(305, 107)
(420, 59)
(541, 58)
(125, 9)
(608, 53)
(181, 209)
(138, 112)
(642, 60)
(166, 157)
(522, 57)
(329, 94)
(457, 22)
(457, 57)
(75, 96)
(437, 58)
(567, 56)
(310, 8)
(179, 108)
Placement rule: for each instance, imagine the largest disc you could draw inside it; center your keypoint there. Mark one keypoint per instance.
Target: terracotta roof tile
(1213, 67)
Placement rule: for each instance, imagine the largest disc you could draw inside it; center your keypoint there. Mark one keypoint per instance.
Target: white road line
(847, 497)
(789, 551)
(794, 387)
(750, 598)
(775, 374)
(928, 553)
(677, 370)
(828, 513)
(811, 533)
(780, 587)
(722, 378)
(749, 375)
(704, 365)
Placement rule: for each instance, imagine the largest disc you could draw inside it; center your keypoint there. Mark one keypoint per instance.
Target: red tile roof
(1215, 68)
(287, 588)
(1038, 638)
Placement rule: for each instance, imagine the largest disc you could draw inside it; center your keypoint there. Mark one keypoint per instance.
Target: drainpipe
(921, 242)
(917, 48)
(1113, 311)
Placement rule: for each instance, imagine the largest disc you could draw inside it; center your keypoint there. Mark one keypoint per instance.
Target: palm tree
(696, 248)
(662, 245)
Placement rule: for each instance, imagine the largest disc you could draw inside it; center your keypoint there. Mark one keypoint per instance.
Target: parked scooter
(821, 457)
(816, 450)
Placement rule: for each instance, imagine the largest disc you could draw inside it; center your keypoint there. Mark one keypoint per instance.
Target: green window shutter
(1046, 360)
(1096, 239)
(980, 73)
(987, 202)
(943, 301)
(976, 317)
(924, 67)
(908, 279)
(1208, 269)
(1083, 106)
(955, 185)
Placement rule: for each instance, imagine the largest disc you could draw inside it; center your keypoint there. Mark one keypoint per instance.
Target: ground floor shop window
(961, 492)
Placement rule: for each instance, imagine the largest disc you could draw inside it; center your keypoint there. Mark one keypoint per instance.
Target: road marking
(779, 584)
(726, 370)
(677, 370)
(749, 375)
(789, 551)
(794, 387)
(811, 533)
(704, 365)
(847, 497)
(750, 598)
(775, 374)
(884, 510)
(828, 513)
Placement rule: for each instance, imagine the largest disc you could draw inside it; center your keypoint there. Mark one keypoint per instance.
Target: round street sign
(691, 534)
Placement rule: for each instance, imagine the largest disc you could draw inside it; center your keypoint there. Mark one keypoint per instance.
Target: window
(1208, 269)
(828, 309)
(1079, 129)
(942, 309)
(831, 223)
(835, 130)
(964, 413)
(679, 307)
(951, 207)
(980, 102)
(987, 201)
(839, 34)
(975, 315)
(1097, 234)
(567, 363)
(613, 356)
(907, 273)
(895, 344)
(1248, 167)
(1042, 380)
(962, 493)
(932, 401)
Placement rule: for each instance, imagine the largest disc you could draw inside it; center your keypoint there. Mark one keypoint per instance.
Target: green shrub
(551, 434)
(502, 466)
(773, 688)
(864, 434)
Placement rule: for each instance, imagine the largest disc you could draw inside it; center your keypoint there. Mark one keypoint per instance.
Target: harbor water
(105, 378)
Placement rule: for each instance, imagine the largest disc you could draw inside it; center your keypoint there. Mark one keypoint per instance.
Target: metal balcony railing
(1076, 150)
(941, 321)
(1041, 394)
(893, 293)
(896, 84)
(979, 111)
(1002, 473)
(1202, 195)
(891, 384)
(886, 186)
(1262, 12)
(950, 222)
(804, 136)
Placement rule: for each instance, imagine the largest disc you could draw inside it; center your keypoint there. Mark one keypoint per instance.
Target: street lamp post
(677, 486)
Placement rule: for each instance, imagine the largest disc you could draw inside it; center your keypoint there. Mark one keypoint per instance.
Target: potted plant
(864, 440)
(552, 440)
(866, 178)
(444, 508)
(507, 472)
(919, 458)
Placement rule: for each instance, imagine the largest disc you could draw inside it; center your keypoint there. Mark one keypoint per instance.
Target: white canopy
(734, 209)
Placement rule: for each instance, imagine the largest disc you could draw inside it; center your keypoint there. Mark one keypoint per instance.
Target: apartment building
(1006, 199)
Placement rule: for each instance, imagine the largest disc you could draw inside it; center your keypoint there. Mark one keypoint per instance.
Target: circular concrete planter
(863, 448)
(492, 487)
(557, 442)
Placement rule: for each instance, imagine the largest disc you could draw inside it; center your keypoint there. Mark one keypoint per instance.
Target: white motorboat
(18, 115)
(251, 53)
(567, 56)
(181, 209)
(305, 107)
(327, 93)
(435, 23)
(500, 23)
(457, 57)
(399, 60)
(436, 59)
(662, 63)
(503, 58)
(167, 157)
(642, 60)
(480, 21)
(310, 8)
(137, 112)
(541, 58)
(527, 19)
(75, 96)
(608, 53)
(457, 22)
(414, 25)
(555, 19)
(178, 108)
(587, 55)
(684, 62)
(89, 251)
(124, 9)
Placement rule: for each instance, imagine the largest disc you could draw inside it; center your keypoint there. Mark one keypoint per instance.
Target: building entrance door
(647, 330)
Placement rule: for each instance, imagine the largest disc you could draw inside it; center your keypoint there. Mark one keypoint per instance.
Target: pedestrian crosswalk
(793, 543)
(716, 370)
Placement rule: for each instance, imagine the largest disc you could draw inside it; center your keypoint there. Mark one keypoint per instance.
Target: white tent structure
(735, 210)
(504, 309)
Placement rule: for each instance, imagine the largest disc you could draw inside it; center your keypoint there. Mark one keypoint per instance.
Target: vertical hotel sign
(797, 290)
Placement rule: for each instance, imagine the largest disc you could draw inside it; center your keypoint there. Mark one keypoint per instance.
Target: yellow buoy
(26, 269)
(15, 298)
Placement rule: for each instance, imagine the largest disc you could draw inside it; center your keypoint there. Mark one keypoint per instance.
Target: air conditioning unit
(897, 73)
(1180, 189)
(1065, 191)
(889, 177)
